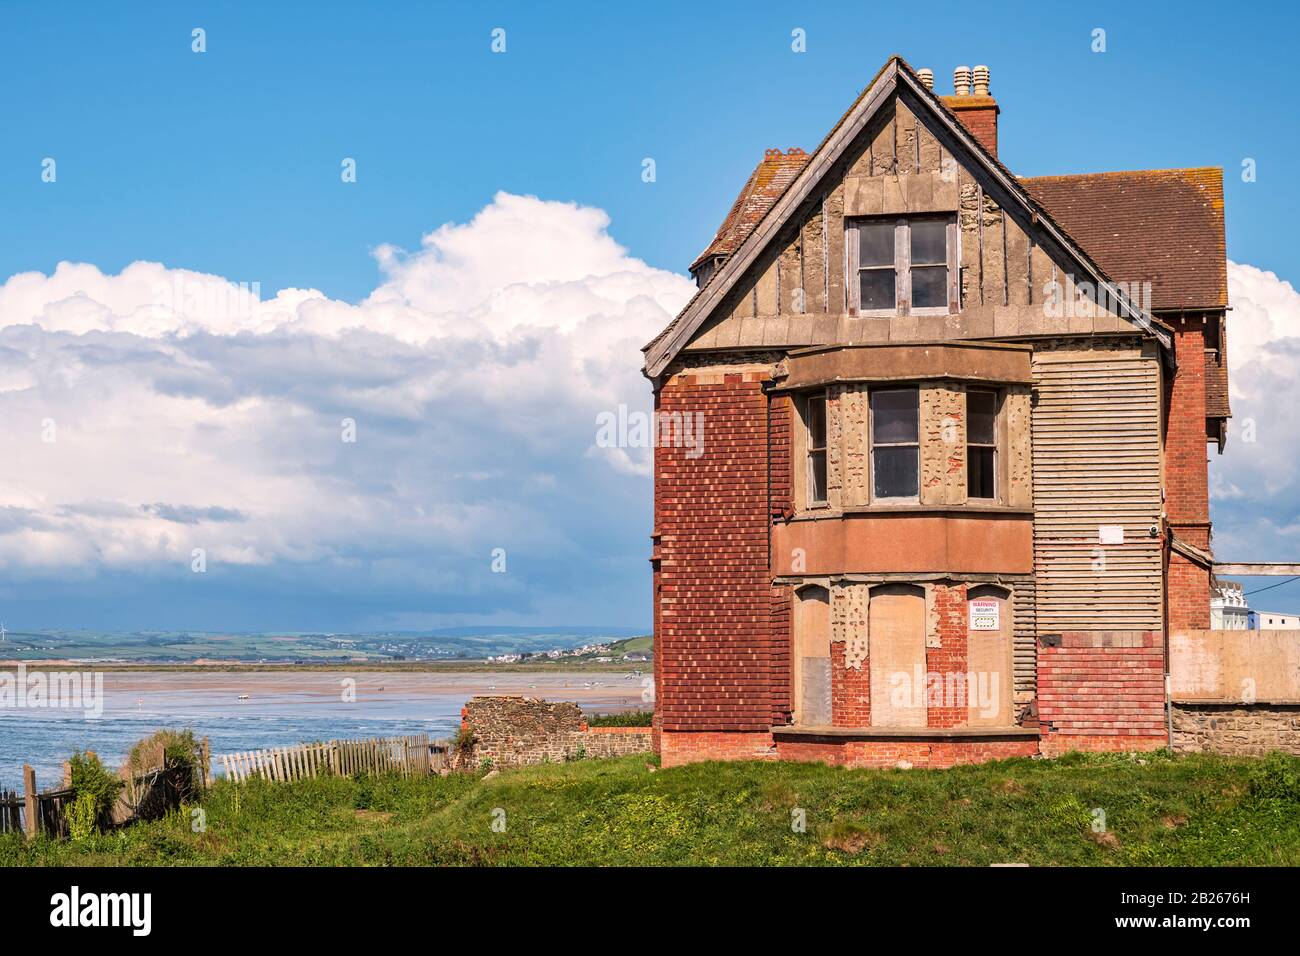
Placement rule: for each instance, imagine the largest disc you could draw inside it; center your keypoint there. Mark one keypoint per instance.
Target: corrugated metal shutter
(1096, 439)
(1025, 640)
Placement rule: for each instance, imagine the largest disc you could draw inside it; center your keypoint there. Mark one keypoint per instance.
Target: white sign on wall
(984, 614)
(1111, 534)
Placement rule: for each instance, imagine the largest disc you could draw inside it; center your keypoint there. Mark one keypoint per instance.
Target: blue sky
(227, 163)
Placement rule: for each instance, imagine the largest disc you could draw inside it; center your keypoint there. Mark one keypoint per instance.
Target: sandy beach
(250, 710)
(593, 691)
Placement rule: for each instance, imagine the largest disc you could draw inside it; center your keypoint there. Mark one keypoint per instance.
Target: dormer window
(903, 266)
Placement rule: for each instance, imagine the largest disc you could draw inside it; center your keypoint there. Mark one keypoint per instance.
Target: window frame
(902, 265)
(996, 445)
(872, 444)
(809, 450)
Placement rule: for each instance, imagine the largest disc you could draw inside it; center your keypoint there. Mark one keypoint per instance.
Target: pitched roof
(895, 75)
(765, 186)
(1163, 226)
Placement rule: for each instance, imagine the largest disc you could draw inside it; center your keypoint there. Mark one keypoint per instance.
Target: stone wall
(1236, 728)
(515, 731)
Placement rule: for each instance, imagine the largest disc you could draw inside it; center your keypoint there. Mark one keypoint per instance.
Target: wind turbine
(2, 632)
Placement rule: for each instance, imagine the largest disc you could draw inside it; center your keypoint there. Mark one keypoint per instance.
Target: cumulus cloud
(156, 411)
(1255, 485)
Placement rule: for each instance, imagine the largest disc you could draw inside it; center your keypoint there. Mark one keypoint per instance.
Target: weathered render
(949, 462)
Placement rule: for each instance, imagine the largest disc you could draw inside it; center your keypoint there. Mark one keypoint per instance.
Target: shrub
(1275, 777)
(83, 816)
(633, 718)
(462, 747)
(163, 748)
(94, 790)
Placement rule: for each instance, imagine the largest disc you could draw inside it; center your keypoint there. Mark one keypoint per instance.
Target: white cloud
(185, 414)
(1255, 485)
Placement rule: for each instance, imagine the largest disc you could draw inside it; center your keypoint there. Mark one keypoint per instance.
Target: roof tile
(1163, 226)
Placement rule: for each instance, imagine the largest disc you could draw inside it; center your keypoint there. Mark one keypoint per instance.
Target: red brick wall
(715, 650)
(980, 120)
(918, 753)
(1187, 496)
(951, 656)
(1189, 593)
(1102, 690)
(850, 691)
(683, 748)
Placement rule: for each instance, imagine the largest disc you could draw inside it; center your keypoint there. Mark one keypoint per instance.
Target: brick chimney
(977, 110)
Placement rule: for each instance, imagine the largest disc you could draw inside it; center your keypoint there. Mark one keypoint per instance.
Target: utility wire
(1272, 586)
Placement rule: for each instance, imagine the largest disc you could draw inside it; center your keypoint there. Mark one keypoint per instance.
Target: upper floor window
(895, 443)
(981, 444)
(903, 265)
(817, 448)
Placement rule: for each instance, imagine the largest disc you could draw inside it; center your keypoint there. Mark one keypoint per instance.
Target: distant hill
(452, 643)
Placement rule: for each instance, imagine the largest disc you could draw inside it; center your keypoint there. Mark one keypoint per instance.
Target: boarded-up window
(812, 657)
(896, 625)
(989, 660)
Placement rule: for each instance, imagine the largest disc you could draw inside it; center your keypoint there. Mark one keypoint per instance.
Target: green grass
(632, 718)
(1160, 810)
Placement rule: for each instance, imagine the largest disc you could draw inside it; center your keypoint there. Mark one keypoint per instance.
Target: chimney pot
(981, 76)
(961, 81)
(927, 77)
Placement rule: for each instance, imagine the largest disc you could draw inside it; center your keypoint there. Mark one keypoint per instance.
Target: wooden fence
(410, 756)
(32, 811)
(154, 792)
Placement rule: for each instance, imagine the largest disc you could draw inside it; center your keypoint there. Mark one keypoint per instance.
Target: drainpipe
(1169, 708)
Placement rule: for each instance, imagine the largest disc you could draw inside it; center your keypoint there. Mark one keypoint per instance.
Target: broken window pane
(817, 476)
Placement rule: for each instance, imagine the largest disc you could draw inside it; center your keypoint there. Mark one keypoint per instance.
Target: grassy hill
(1159, 810)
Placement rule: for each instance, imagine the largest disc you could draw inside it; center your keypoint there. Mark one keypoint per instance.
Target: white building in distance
(1228, 608)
